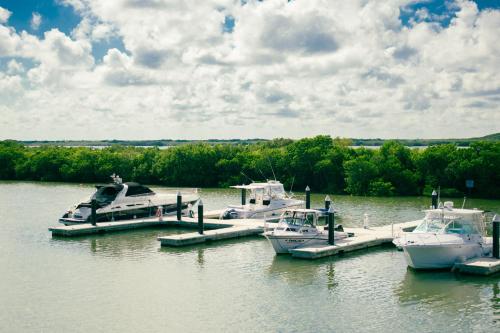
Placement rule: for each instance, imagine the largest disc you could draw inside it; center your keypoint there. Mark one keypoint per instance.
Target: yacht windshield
(106, 194)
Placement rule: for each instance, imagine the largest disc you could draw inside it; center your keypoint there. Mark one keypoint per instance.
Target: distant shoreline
(464, 142)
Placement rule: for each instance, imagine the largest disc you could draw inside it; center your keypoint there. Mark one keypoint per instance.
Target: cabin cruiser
(445, 236)
(266, 200)
(298, 228)
(123, 201)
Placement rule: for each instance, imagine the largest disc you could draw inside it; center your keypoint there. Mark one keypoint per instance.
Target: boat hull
(258, 212)
(440, 256)
(284, 243)
(130, 214)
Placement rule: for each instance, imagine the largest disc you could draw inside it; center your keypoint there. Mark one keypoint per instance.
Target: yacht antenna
(463, 203)
(291, 186)
(247, 176)
(271, 168)
(439, 194)
(262, 174)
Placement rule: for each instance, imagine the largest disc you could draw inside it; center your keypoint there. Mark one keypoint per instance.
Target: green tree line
(325, 164)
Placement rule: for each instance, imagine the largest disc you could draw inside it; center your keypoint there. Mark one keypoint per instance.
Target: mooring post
(496, 236)
(243, 197)
(434, 200)
(328, 201)
(308, 197)
(331, 226)
(200, 217)
(179, 205)
(93, 211)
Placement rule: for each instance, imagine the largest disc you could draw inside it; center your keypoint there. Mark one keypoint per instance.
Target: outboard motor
(229, 214)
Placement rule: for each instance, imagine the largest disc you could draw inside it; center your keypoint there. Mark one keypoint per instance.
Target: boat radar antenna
(271, 165)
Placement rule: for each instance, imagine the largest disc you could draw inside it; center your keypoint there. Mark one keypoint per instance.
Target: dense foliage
(323, 163)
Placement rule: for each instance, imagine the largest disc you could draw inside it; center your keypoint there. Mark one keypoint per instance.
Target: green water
(124, 282)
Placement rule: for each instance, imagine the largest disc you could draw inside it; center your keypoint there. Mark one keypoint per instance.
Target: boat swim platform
(186, 222)
(478, 266)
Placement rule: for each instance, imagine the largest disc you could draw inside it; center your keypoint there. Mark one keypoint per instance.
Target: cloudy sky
(191, 69)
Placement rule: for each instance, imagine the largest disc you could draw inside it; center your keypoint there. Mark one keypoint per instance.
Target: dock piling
(434, 200)
(243, 197)
(93, 211)
(308, 197)
(331, 226)
(200, 217)
(496, 236)
(328, 201)
(179, 205)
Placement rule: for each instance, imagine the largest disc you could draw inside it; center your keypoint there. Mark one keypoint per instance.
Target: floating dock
(478, 266)
(363, 238)
(210, 235)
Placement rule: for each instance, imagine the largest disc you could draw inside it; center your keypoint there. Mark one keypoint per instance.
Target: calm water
(124, 282)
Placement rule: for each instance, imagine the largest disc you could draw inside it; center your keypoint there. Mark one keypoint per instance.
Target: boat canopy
(452, 221)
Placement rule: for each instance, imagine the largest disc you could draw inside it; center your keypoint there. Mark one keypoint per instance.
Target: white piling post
(366, 221)
(159, 213)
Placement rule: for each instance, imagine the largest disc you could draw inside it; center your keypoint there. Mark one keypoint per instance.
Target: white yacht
(123, 201)
(266, 200)
(298, 228)
(445, 236)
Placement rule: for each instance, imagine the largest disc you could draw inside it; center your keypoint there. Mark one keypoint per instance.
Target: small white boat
(123, 201)
(298, 228)
(267, 200)
(444, 237)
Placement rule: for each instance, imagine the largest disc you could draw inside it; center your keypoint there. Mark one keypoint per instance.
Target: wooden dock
(478, 266)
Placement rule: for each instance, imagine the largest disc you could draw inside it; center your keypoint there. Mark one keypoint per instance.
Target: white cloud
(4, 15)
(290, 69)
(14, 67)
(36, 20)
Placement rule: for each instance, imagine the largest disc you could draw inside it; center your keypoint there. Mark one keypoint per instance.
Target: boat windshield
(106, 194)
(298, 219)
(447, 224)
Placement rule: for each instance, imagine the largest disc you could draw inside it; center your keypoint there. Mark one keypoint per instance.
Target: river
(124, 282)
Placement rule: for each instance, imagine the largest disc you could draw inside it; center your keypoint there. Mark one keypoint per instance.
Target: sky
(190, 69)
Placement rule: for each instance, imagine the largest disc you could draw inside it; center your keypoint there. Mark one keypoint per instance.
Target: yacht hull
(104, 215)
(439, 256)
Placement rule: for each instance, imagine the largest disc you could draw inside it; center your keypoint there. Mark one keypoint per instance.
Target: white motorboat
(298, 228)
(123, 201)
(444, 237)
(267, 200)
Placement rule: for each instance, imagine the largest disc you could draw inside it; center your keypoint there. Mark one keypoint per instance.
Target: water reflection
(446, 291)
(495, 302)
(294, 271)
(132, 244)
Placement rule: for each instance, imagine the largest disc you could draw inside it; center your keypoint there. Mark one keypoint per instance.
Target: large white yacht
(298, 228)
(123, 201)
(267, 200)
(445, 236)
